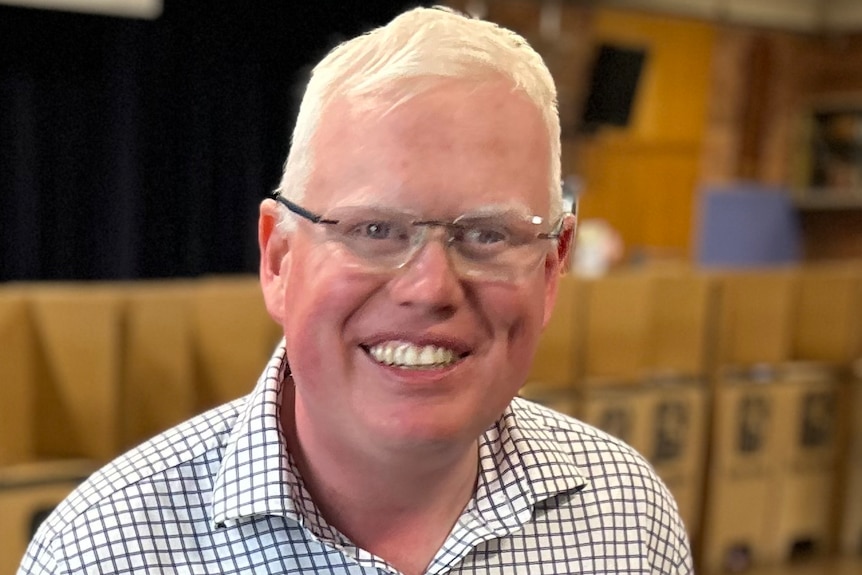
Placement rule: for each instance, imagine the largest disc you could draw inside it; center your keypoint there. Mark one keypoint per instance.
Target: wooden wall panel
(643, 179)
(672, 100)
(646, 192)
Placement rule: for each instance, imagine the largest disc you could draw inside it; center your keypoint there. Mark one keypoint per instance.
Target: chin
(430, 430)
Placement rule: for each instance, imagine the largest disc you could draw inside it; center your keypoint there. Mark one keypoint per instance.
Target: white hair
(412, 54)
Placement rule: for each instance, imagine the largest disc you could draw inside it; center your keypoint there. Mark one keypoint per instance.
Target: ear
(557, 264)
(274, 247)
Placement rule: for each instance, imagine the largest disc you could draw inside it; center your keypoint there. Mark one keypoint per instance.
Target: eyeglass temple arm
(295, 208)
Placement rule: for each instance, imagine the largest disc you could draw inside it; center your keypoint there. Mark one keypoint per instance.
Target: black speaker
(614, 81)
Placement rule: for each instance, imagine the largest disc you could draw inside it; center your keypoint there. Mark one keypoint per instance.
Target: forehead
(450, 149)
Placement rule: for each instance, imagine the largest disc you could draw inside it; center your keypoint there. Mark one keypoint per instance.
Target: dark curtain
(141, 149)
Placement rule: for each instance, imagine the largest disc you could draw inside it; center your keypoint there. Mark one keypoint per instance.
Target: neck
(399, 504)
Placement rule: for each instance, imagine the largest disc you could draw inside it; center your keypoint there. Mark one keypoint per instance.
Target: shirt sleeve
(40, 558)
(667, 539)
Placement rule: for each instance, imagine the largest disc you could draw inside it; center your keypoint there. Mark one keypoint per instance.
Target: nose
(429, 280)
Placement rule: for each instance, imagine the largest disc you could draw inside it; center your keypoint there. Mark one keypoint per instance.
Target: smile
(409, 356)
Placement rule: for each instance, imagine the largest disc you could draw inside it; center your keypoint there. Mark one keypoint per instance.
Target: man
(411, 254)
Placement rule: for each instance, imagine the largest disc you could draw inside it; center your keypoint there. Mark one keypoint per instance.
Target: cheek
(321, 296)
(517, 313)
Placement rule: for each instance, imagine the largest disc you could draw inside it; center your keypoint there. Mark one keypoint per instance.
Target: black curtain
(141, 149)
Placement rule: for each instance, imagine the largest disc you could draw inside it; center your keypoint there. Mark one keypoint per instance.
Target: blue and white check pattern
(220, 494)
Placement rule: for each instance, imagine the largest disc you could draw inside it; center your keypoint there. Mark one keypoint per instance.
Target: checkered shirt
(221, 494)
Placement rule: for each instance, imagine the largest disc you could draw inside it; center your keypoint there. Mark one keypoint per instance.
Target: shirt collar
(521, 463)
(256, 476)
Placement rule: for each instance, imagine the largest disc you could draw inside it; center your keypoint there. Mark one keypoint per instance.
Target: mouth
(405, 355)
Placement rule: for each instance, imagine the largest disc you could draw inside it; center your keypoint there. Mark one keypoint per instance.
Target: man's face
(455, 149)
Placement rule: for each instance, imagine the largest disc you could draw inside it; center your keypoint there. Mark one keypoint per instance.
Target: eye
(377, 230)
(485, 235)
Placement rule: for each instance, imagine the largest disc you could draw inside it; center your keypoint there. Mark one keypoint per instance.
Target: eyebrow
(498, 209)
(485, 211)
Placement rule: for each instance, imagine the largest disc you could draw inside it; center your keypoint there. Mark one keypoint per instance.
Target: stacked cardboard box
(828, 315)
(805, 457)
(754, 317)
(741, 472)
(628, 354)
(666, 422)
(625, 328)
(828, 329)
(752, 342)
(849, 526)
(772, 467)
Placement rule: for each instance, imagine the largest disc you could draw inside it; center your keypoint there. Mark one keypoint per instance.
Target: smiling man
(411, 254)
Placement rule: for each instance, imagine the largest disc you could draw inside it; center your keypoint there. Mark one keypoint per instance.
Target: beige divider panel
(557, 362)
(158, 379)
(234, 337)
(79, 335)
(17, 380)
(755, 317)
(828, 318)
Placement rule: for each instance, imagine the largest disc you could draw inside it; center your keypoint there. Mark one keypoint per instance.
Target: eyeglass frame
(315, 218)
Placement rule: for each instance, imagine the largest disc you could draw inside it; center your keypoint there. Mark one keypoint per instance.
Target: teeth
(404, 354)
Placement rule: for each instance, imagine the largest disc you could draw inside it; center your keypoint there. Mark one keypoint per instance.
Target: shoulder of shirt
(197, 441)
(586, 443)
(609, 464)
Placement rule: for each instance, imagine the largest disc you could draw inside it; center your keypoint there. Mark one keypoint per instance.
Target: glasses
(497, 245)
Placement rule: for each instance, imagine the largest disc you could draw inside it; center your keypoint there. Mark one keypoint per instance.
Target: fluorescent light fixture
(146, 9)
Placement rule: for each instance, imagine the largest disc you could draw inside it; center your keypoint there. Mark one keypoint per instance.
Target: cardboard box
(641, 324)
(820, 566)
(806, 451)
(557, 362)
(17, 379)
(78, 334)
(741, 474)
(666, 423)
(680, 330)
(552, 396)
(828, 314)
(158, 377)
(616, 408)
(676, 440)
(618, 321)
(755, 317)
(234, 338)
(850, 525)
(28, 493)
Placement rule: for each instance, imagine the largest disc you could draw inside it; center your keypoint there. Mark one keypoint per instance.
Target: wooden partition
(158, 376)
(17, 393)
(78, 335)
